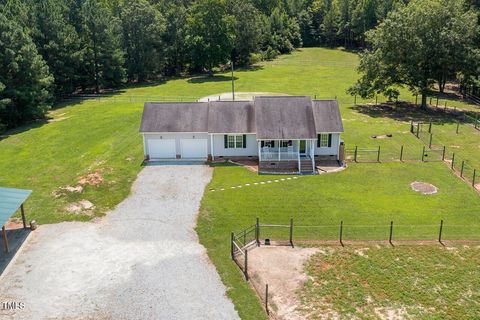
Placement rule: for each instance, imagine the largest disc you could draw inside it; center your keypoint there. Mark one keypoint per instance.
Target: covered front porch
(286, 156)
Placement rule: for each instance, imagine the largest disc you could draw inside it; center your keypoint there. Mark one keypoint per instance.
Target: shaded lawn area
(418, 282)
(363, 195)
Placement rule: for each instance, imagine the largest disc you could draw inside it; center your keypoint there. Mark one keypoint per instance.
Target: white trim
(151, 132)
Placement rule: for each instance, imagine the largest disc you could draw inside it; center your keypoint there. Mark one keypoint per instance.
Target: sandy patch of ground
(424, 188)
(283, 269)
(227, 96)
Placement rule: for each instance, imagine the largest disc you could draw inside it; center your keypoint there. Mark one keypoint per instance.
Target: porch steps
(306, 166)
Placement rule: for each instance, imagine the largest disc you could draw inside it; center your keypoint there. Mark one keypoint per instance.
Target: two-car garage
(176, 147)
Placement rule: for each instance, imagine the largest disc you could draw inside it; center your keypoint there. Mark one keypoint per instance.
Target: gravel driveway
(142, 261)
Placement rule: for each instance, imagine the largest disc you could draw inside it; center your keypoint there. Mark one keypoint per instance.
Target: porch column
(5, 240)
(24, 220)
(279, 144)
(312, 154)
(259, 150)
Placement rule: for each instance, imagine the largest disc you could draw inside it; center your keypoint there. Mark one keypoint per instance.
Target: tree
(143, 28)
(57, 41)
(176, 52)
(210, 34)
(247, 28)
(103, 55)
(25, 80)
(411, 47)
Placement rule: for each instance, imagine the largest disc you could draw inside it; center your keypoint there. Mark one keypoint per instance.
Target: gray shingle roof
(284, 118)
(269, 117)
(175, 117)
(231, 117)
(327, 116)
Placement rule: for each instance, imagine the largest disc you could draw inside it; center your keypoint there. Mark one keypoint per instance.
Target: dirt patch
(92, 179)
(384, 136)
(283, 269)
(68, 189)
(80, 207)
(424, 188)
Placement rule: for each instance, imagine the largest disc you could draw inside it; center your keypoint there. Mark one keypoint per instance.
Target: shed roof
(231, 117)
(175, 117)
(10, 201)
(327, 116)
(284, 118)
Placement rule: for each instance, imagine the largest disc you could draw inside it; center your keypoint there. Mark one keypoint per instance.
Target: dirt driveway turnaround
(142, 261)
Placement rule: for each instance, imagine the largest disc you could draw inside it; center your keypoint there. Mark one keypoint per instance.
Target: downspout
(211, 147)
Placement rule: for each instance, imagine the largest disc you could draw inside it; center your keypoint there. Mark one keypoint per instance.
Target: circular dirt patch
(423, 187)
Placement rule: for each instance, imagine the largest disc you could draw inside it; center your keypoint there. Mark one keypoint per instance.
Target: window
(324, 141)
(286, 144)
(235, 141)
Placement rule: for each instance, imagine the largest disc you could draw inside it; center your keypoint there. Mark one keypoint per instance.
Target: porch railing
(279, 156)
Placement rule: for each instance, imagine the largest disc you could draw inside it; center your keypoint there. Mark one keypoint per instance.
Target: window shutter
(330, 140)
(244, 141)
(225, 139)
(318, 140)
(262, 144)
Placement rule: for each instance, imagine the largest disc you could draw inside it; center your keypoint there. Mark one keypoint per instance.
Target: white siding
(177, 137)
(219, 147)
(333, 150)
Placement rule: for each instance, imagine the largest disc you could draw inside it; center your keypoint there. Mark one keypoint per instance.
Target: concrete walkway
(142, 261)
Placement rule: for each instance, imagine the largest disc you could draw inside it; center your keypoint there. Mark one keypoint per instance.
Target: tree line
(50, 48)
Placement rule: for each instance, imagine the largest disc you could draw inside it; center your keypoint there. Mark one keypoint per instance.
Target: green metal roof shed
(10, 201)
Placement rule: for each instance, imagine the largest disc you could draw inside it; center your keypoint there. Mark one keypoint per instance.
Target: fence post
(416, 100)
(440, 232)
(430, 143)
(453, 161)
(461, 171)
(378, 155)
(391, 233)
(356, 152)
(376, 99)
(423, 154)
(430, 126)
(266, 299)
(411, 127)
(476, 120)
(355, 99)
(341, 233)
(458, 126)
(246, 264)
(231, 246)
(401, 154)
(437, 101)
(474, 177)
(418, 130)
(430, 100)
(291, 232)
(257, 232)
(443, 153)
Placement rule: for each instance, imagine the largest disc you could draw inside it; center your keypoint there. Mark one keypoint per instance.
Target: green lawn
(101, 136)
(365, 196)
(411, 282)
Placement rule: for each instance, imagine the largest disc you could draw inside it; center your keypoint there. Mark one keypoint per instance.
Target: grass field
(100, 137)
(412, 282)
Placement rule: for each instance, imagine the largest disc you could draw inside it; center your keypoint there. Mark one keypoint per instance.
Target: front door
(303, 147)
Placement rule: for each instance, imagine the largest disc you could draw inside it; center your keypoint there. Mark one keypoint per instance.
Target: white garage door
(194, 148)
(162, 149)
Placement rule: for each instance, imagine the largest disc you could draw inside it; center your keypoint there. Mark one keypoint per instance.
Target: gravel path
(142, 261)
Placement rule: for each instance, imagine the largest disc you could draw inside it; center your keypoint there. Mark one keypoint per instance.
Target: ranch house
(284, 134)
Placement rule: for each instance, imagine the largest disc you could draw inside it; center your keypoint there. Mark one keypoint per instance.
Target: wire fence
(262, 234)
(434, 148)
